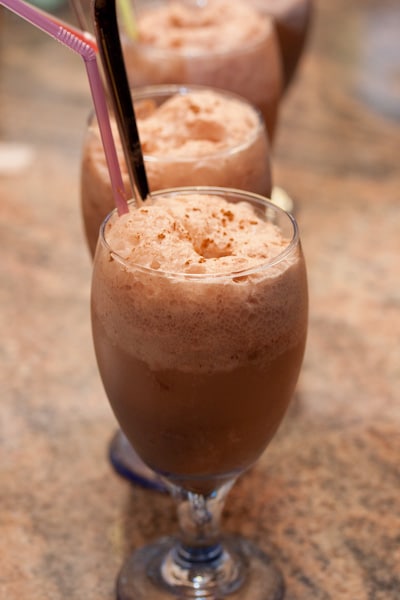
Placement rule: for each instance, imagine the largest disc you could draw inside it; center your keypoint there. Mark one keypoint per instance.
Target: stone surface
(324, 499)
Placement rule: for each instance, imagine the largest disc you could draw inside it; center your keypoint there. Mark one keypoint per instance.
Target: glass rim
(232, 274)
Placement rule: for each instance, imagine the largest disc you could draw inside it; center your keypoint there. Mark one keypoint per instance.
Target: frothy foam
(195, 124)
(207, 324)
(219, 25)
(195, 234)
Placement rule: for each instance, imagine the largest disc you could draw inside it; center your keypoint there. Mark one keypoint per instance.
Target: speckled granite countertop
(324, 500)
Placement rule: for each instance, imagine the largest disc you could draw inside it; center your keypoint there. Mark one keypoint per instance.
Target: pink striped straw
(82, 43)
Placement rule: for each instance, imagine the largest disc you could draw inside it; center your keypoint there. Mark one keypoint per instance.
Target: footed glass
(222, 44)
(240, 161)
(199, 363)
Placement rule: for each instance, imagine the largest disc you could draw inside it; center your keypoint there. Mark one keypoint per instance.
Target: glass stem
(199, 524)
(199, 564)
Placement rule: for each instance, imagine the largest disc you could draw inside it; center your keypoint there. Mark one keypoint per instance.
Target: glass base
(254, 577)
(129, 465)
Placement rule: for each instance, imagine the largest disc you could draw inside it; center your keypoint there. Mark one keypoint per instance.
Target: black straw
(108, 40)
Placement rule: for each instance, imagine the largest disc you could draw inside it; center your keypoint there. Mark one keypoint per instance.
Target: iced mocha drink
(226, 44)
(189, 136)
(199, 311)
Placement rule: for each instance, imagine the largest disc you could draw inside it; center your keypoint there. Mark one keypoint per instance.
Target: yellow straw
(128, 18)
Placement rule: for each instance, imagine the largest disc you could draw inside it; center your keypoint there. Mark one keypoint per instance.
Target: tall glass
(199, 363)
(207, 152)
(221, 43)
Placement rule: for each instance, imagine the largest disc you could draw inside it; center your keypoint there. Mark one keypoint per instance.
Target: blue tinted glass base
(128, 464)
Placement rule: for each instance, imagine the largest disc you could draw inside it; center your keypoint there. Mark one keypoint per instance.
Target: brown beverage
(199, 308)
(226, 44)
(189, 136)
